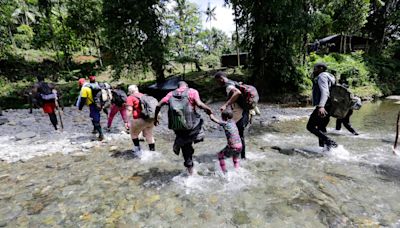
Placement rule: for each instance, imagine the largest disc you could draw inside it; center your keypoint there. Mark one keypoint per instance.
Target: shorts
(49, 107)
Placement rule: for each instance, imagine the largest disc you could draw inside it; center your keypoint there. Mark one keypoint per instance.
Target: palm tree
(210, 14)
(25, 14)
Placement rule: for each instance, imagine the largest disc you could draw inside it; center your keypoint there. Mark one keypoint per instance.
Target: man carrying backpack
(184, 120)
(118, 104)
(241, 99)
(86, 97)
(319, 118)
(46, 95)
(141, 111)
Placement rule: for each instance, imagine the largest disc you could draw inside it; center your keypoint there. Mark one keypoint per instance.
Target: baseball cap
(81, 81)
(92, 77)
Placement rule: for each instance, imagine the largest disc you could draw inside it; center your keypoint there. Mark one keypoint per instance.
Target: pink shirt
(192, 94)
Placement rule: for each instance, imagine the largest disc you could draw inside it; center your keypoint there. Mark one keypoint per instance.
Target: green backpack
(341, 101)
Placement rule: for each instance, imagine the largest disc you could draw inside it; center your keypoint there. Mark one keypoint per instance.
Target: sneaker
(330, 144)
(108, 129)
(100, 138)
(94, 131)
(355, 133)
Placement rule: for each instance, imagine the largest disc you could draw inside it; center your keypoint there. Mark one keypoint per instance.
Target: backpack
(341, 101)
(101, 93)
(148, 106)
(249, 98)
(181, 114)
(118, 97)
(45, 92)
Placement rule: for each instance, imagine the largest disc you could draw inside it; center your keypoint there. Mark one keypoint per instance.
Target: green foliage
(139, 39)
(24, 36)
(211, 61)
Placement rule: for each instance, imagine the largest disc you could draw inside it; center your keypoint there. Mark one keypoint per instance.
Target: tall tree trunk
(97, 43)
(237, 37)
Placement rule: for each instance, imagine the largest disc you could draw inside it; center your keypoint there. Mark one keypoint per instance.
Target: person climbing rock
(319, 118)
(234, 147)
(184, 120)
(141, 109)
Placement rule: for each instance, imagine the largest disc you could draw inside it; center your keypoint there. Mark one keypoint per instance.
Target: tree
(185, 27)
(134, 34)
(210, 12)
(85, 19)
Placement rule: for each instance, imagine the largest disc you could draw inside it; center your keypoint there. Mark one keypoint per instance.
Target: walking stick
(58, 110)
(397, 133)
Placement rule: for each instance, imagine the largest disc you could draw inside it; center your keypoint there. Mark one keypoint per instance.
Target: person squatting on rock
(86, 97)
(118, 104)
(139, 108)
(234, 147)
(184, 120)
(319, 118)
(236, 102)
(46, 96)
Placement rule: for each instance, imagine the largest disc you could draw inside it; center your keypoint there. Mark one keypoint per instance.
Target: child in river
(234, 146)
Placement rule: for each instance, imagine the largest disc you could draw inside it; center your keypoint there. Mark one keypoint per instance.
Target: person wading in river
(184, 120)
(238, 103)
(118, 104)
(141, 109)
(319, 118)
(86, 97)
(234, 147)
(46, 96)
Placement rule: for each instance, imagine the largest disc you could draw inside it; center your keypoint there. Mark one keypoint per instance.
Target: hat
(81, 81)
(92, 77)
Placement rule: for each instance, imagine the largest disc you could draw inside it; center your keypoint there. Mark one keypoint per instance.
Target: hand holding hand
(322, 112)
(223, 107)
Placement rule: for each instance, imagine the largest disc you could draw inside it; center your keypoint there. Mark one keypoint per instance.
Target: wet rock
(3, 120)
(88, 145)
(24, 135)
(3, 223)
(12, 123)
(27, 122)
(113, 148)
(241, 218)
(79, 157)
(393, 97)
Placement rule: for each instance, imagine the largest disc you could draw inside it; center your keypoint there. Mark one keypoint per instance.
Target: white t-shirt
(236, 109)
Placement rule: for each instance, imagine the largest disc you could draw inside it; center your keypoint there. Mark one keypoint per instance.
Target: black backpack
(118, 97)
(45, 93)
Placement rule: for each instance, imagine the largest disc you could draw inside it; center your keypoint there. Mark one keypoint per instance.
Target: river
(66, 180)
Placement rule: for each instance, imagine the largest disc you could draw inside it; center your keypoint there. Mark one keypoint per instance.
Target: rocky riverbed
(67, 179)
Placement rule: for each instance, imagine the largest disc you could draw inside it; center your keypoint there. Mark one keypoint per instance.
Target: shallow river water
(65, 180)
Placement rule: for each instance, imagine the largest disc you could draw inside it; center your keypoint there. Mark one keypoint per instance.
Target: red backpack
(249, 95)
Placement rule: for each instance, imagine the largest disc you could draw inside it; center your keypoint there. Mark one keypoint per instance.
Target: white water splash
(215, 181)
(149, 156)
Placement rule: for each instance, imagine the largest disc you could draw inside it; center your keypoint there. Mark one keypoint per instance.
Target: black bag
(118, 97)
